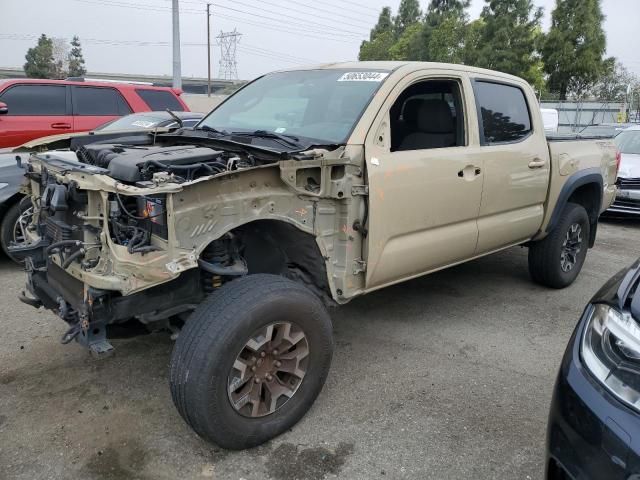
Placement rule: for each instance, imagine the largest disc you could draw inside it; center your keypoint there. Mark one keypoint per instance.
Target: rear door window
(160, 100)
(504, 114)
(99, 101)
(35, 99)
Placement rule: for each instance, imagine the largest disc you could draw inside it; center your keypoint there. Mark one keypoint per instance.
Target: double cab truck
(303, 190)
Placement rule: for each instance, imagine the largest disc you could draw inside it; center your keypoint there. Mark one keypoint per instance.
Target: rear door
(515, 157)
(35, 110)
(93, 106)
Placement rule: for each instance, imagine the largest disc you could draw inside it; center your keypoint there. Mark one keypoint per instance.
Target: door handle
(469, 170)
(537, 163)
(61, 125)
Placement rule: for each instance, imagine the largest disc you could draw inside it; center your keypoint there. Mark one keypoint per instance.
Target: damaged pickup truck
(304, 189)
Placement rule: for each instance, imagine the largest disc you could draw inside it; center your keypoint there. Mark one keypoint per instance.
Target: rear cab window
(503, 112)
(35, 99)
(98, 101)
(160, 99)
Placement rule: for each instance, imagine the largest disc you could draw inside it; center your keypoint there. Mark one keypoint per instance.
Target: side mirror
(3, 108)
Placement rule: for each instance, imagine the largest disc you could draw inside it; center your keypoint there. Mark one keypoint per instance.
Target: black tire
(546, 256)
(8, 225)
(216, 333)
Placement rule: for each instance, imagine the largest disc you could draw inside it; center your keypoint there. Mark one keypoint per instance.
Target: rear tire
(233, 328)
(8, 226)
(556, 260)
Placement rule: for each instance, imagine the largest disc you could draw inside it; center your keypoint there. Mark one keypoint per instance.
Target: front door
(425, 185)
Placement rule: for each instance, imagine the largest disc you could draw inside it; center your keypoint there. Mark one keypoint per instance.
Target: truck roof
(408, 66)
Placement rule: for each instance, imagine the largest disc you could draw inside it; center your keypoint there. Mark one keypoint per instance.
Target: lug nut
(278, 363)
(275, 351)
(269, 378)
(257, 380)
(262, 354)
(253, 369)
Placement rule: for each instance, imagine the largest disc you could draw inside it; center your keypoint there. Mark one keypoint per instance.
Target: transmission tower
(228, 42)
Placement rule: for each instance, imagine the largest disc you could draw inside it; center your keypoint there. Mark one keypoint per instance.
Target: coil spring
(216, 252)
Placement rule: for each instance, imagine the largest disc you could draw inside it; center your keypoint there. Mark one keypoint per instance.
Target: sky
(123, 36)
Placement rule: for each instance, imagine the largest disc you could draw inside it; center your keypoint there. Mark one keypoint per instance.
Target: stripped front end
(143, 233)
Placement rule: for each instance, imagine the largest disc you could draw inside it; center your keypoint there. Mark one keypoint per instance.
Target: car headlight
(2, 185)
(611, 352)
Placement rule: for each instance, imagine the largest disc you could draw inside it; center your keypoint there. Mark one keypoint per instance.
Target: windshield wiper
(207, 128)
(289, 140)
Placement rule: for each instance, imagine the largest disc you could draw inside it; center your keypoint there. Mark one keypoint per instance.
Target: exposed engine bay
(136, 164)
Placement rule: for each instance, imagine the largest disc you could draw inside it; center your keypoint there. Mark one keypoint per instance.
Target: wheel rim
(571, 247)
(17, 235)
(269, 369)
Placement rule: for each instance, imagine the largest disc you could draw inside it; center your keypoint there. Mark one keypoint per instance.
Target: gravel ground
(447, 376)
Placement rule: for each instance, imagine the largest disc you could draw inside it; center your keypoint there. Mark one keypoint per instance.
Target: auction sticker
(363, 77)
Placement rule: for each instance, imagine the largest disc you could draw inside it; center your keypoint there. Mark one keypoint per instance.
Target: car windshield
(132, 122)
(321, 105)
(629, 142)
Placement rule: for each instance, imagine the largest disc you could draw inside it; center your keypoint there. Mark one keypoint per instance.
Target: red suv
(31, 108)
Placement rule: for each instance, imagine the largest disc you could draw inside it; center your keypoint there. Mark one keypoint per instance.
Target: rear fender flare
(573, 183)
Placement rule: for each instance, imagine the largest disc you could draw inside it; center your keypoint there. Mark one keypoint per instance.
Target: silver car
(628, 197)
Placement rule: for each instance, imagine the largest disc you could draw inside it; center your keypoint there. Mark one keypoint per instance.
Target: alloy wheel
(571, 247)
(268, 370)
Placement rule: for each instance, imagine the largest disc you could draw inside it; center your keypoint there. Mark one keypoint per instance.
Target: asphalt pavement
(445, 377)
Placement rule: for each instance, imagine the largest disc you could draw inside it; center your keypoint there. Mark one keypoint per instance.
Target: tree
(574, 48)
(385, 23)
(407, 47)
(40, 62)
(408, 13)
(380, 40)
(440, 8)
(472, 42)
(76, 60)
(377, 49)
(509, 38)
(615, 81)
(60, 57)
(443, 32)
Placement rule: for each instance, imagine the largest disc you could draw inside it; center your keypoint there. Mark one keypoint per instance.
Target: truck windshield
(319, 105)
(629, 142)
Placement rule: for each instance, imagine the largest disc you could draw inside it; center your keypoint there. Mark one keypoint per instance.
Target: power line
(316, 16)
(249, 49)
(347, 33)
(283, 26)
(289, 30)
(340, 14)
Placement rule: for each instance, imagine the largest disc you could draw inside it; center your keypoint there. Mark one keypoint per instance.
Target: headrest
(410, 112)
(435, 116)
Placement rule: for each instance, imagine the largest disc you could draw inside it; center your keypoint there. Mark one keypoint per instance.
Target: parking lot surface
(446, 376)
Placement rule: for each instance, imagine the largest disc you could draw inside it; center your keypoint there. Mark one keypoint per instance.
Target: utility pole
(208, 52)
(177, 71)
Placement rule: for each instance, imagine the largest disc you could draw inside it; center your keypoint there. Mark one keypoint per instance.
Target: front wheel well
(279, 248)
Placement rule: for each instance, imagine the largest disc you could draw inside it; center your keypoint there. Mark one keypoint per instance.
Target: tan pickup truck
(304, 189)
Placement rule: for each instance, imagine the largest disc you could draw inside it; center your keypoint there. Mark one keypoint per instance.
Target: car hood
(40, 143)
(629, 166)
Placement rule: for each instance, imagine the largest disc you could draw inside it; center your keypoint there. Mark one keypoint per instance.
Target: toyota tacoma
(303, 190)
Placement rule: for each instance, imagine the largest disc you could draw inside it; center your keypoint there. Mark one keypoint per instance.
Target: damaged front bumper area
(91, 313)
(99, 261)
